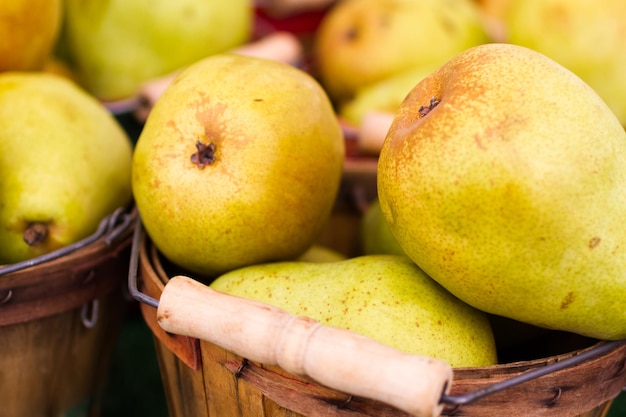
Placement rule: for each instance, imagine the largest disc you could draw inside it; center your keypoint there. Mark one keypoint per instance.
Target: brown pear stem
(205, 154)
(424, 110)
(35, 233)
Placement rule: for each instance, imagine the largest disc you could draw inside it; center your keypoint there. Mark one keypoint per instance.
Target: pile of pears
(65, 162)
(493, 187)
(499, 183)
(234, 182)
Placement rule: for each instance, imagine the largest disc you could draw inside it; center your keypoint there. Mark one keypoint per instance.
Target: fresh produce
(384, 95)
(64, 164)
(28, 32)
(385, 297)
(503, 178)
(280, 46)
(116, 45)
(321, 253)
(239, 163)
(375, 234)
(360, 42)
(587, 37)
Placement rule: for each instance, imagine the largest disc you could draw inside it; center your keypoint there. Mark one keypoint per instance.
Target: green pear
(321, 253)
(28, 37)
(502, 176)
(239, 162)
(375, 235)
(360, 42)
(385, 297)
(116, 45)
(383, 96)
(64, 164)
(585, 36)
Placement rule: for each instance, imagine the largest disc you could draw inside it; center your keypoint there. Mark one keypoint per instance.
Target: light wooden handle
(337, 358)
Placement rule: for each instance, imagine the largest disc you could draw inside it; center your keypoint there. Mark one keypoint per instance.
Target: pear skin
(116, 45)
(586, 37)
(360, 42)
(385, 297)
(239, 162)
(375, 235)
(29, 30)
(64, 164)
(502, 177)
(321, 253)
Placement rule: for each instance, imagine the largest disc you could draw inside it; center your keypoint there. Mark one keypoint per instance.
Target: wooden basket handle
(337, 358)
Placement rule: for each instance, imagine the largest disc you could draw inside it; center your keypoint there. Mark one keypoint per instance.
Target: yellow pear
(321, 253)
(28, 32)
(239, 162)
(502, 177)
(64, 164)
(385, 297)
(587, 37)
(116, 45)
(360, 42)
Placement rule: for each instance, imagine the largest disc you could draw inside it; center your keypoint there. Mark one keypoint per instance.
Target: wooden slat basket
(202, 379)
(60, 315)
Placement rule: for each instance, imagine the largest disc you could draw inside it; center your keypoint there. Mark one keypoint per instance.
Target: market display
(355, 207)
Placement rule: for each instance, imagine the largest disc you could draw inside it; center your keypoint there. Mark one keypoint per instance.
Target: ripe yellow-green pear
(239, 162)
(375, 235)
(385, 297)
(116, 45)
(360, 42)
(587, 37)
(383, 96)
(28, 32)
(321, 253)
(502, 176)
(64, 164)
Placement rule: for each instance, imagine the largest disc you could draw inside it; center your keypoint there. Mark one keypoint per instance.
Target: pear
(239, 162)
(587, 37)
(29, 30)
(384, 95)
(321, 253)
(116, 45)
(360, 42)
(385, 297)
(64, 164)
(375, 235)
(502, 176)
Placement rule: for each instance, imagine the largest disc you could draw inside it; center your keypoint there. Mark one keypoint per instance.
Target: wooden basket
(59, 318)
(202, 379)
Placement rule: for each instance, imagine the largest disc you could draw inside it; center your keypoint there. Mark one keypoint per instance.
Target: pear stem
(424, 110)
(205, 154)
(35, 233)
